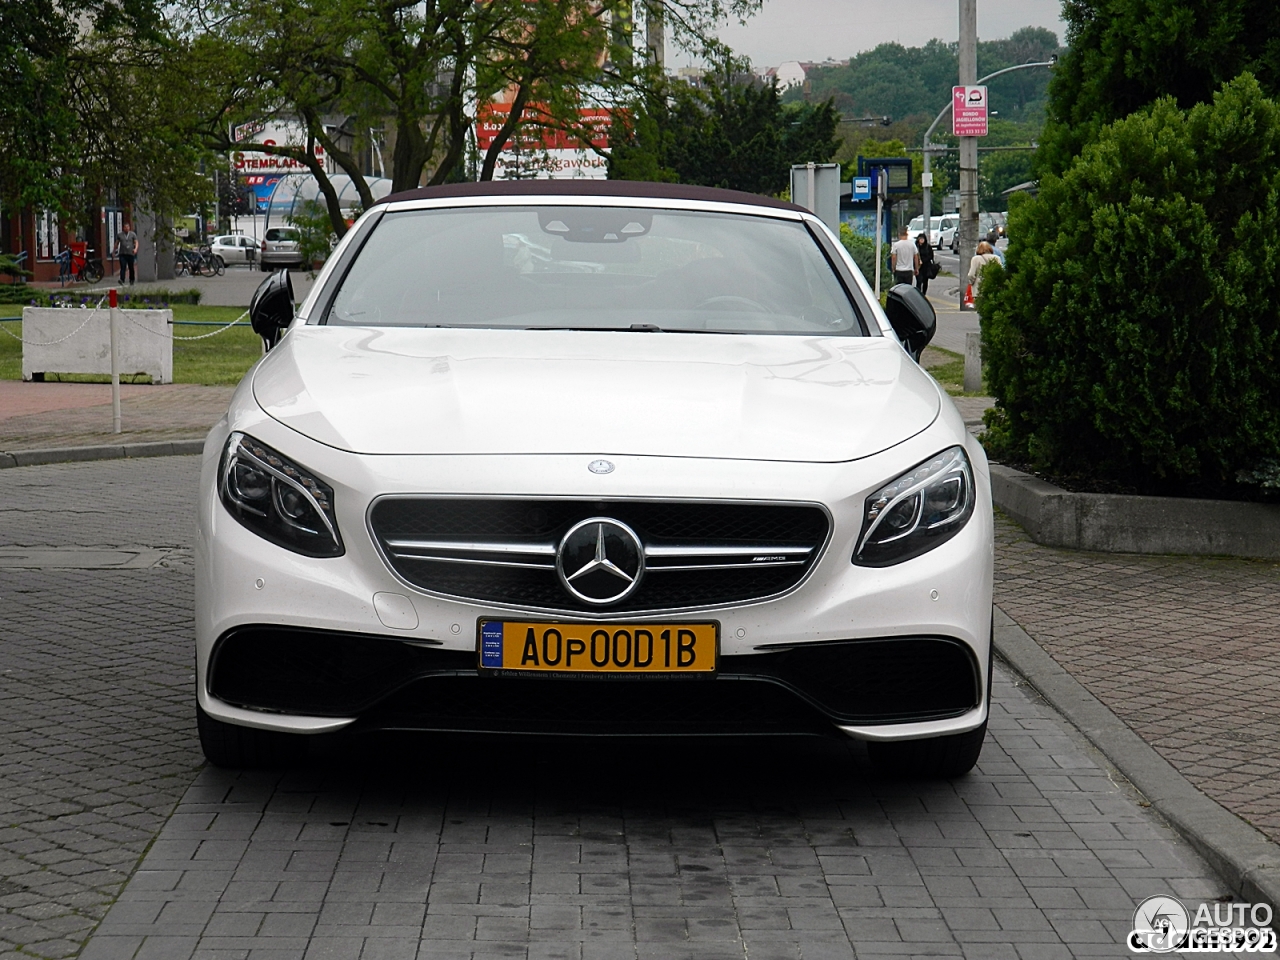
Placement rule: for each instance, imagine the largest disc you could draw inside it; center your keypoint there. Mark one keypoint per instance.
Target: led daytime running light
(917, 511)
(283, 478)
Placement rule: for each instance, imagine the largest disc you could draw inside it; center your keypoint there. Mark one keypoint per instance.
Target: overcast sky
(818, 29)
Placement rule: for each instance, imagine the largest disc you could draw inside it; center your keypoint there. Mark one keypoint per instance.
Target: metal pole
(968, 145)
(927, 148)
(879, 222)
(812, 201)
(115, 363)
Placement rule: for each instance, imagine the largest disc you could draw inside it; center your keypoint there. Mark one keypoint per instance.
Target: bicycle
(74, 263)
(212, 262)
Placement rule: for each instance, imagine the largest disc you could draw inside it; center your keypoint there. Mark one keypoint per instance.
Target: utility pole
(968, 232)
(928, 147)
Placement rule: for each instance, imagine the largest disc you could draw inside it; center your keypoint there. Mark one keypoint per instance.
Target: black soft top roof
(588, 188)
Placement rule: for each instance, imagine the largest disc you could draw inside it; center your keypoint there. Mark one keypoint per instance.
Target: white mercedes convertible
(593, 459)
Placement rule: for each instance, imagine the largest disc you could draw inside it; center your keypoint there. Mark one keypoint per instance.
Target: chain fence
(124, 313)
(50, 343)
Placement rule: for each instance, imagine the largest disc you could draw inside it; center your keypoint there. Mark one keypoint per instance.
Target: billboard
(247, 162)
(535, 154)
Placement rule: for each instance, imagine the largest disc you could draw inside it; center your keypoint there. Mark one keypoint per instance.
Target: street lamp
(926, 176)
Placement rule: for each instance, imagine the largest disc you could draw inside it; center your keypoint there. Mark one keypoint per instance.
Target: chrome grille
(504, 551)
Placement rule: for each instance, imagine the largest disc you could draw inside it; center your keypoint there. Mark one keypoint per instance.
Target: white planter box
(144, 342)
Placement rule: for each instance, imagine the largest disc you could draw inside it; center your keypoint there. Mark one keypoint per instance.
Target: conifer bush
(1131, 343)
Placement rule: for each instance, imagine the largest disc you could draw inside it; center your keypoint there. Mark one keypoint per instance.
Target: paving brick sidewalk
(1185, 650)
(479, 850)
(35, 416)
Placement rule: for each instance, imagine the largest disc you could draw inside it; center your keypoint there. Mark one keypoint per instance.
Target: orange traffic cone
(968, 297)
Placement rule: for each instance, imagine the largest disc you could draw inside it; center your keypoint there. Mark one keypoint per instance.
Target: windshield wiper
(635, 328)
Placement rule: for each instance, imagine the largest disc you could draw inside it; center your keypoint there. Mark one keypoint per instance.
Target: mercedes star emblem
(600, 560)
(600, 466)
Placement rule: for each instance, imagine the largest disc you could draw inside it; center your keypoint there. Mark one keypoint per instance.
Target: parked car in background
(235, 248)
(947, 225)
(916, 228)
(281, 247)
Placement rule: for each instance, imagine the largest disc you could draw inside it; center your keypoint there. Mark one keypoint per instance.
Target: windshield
(917, 225)
(608, 268)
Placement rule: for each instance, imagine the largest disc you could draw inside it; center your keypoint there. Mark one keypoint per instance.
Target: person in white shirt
(906, 262)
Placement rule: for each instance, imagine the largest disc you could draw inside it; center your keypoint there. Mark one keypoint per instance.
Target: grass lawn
(948, 369)
(222, 359)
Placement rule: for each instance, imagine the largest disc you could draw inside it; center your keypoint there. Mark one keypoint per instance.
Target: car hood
(453, 391)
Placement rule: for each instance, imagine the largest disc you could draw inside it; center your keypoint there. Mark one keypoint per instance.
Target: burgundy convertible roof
(588, 188)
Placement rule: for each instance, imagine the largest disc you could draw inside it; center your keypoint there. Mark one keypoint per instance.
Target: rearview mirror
(271, 309)
(912, 318)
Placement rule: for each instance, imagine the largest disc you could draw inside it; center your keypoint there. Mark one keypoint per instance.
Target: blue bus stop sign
(862, 188)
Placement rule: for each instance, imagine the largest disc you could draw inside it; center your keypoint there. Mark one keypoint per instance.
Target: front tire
(244, 748)
(935, 758)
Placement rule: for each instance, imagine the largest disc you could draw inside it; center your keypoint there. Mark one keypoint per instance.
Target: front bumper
(877, 628)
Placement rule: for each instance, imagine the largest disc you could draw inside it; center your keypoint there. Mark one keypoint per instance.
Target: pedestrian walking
(928, 266)
(984, 256)
(906, 262)
(127, 250)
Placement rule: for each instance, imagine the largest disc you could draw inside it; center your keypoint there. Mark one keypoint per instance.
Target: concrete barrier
(61, 340)
(1116, 523)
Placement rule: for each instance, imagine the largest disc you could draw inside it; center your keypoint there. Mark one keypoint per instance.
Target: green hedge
(1132, 340)
(863, 251)
(40, 297)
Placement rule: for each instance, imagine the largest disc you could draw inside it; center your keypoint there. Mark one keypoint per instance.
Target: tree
(37, 126)
(91, 101)
(897, 81)
(1125, 54)
(731, 133)
(422, 69)
(1132, 340)
(997, 172)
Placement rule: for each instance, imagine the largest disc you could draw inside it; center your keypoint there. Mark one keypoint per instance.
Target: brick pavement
(96, 734)
(1185, 650)
(440, 849)
(433, 850)
(34, 416)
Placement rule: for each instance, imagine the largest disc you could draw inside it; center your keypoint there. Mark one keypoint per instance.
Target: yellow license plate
(599, 648)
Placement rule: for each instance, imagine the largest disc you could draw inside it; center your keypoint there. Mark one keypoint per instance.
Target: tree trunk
(409, 156)
(504, 134)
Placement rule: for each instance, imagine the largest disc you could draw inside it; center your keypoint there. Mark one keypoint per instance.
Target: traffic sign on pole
(862, 188)
(969, 111)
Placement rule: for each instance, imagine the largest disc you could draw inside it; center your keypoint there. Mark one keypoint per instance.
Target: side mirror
(912, 318)
(271, 309)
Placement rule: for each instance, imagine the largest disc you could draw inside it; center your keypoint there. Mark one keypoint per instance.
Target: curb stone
(1124, 523)
(164, 448)
(1238, 852)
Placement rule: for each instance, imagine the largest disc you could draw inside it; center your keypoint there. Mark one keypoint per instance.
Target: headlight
(926, 506)
(277, 499)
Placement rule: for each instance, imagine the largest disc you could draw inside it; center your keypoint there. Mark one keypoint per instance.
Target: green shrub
(863, 251)
(71, 297)
(1132, 340)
